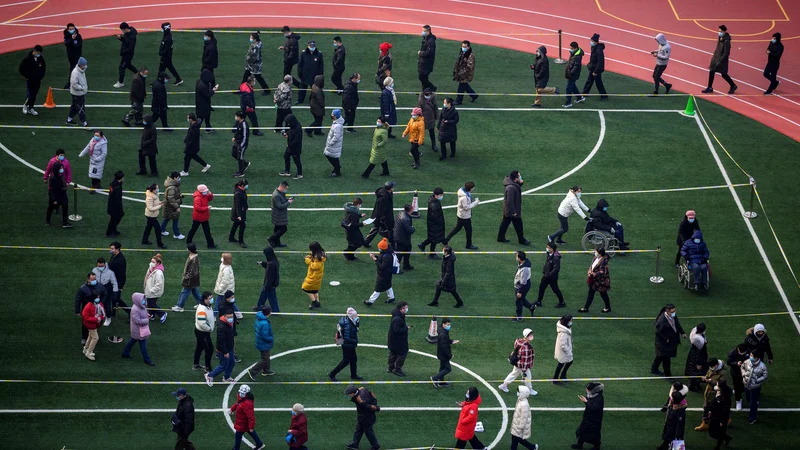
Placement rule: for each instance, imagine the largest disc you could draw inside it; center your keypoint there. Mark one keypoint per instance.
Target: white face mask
(222, 260)
(152, 264)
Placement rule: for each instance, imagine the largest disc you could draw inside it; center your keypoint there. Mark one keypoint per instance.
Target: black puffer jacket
(435, 220)
(403, 229)
(138, 89)
(552, 265)
(271, 265)
(573, 69)
(350, 95)
(383, 280)
(203, 91)
(427, 55)
(686, 230)
(165, 49)
(192, 139)
(310, 65)
(74, 45)
(512, 198)
(541, 69)
(114, 206)
(448, 124)
(447, 282)
(294, 140)
(597, 59)
(398, 333)
(443, 350)
(383, 207)
(291, 49)
(352, 220)
(33, 68)
(240, 205)
(210, 54)
(149, 142)
(591, 426)
(600, 219)
(127, 45)
(185, 415)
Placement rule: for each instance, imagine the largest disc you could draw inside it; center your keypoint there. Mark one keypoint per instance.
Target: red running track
(627, 27)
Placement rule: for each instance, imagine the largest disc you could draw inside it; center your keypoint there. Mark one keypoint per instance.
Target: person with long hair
(697, 359)
(316, 269)
(598, 281)
(719, 415)
(154, 287)
(151, 211)
(97, 149)
(254, 63)
(57, 195)
(563, 353)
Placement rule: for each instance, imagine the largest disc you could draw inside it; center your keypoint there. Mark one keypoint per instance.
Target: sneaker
(119, 85)
(163, 318)
(368, 303)
(209, 380)
(351, 446)
(184, 174)
(738, 405)
(389, 300)
(284, 174)
(238, 175)
(90, 357)
(126, 123)
(733, 89)
(471, 247)
(534, 392)
(70, 122)
(32, 112)
(750, 422)
(668, 86)
(580, 100)
(298, 177)
(229, 380)
(24, 109)
(197, 367)
(267, 373)
(178, 83)
(246, 167)
(332, 377)
(433, 303)
(66, 225)
(180, 236)
(177, 308)
(357, 378)
(503, 388)
(206, 168)
(561, 305)
(567, 105)
(237, 359)
(210, 131)
(107, 322)
(517, 319)
(85, 124)
(435, 383)
(399, 372)
(165, 233)
(707, 90)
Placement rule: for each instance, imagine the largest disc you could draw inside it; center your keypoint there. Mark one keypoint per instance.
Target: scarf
(671, 321)
(394, 97)
(469, 196)
(92, 143)
(150, 271)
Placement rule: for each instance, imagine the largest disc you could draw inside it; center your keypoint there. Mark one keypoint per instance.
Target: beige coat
(521, 423)
(152, 204)
(154, 284)
(563, 344)
(464, 210)
(225, 280)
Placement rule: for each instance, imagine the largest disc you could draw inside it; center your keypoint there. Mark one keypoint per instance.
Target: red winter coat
(90, 315)
(467, 419)
(201, 211)
(245, 414)
(299, 429)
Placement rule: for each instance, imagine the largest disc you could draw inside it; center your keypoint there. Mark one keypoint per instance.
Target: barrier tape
(139, 128)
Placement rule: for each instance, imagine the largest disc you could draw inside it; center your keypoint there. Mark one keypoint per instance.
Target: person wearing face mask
(521, 422)
(315, 262)
(244, 409)
(596, 67)
(512, 208)
(309, 66)
(522, 284)
(247, 102)
(443, 353)
(97, 149)
(736, 358)
(591, 425)
(264, 343)
(774, 53)
(291, 54)
(239, 212)
(224, 347)
(550, 271)
(352, 223)
(225, 281)
(317, 106)
(57, 195)
(377, 154)
(148, 147)
(151, 210)
(401, 238)
(754, 375)
(464, 72)
(662, 59)
(697, 359)
(719, 62)
(523, 349)
(601, 220)
(398, 340)
(73, 41)
(447, 279)
(335, 142)
(426, 57)
(383, 213)
(210, 59)
(719, 416)
(686, 229)
(192, 145)
(366, 407)
(435, 222)
(389, 104)
(338, 64)
(241, 140)
(347, 329)
(297, 435)
(415, 130)
(695, 252)
(675, 422)
(541, 75)
(280, 214)
(668, 332)
(61, 158)
(428, 103)
(165, 54)
(190, 279)
(172, 205)
(282, 98)
(86, 294)
(448, 133)
(384, 64)
(716, 373)
(272, 279)
(93, 315)
(119, 266)
(294, 148)
(201, 214)
(572, 72)
(203, 327)
(33, 69)
(140, 328)
(571, 203)
(563, 353)
(757, 339)
(204, 89)
(126, 50)
(183, 420)
(350, 101)
(384, 263)
(159, 103)
(108, 280)
(154, 287)
(137, 96)
(468, 419)
(254, 63)
(78, 87)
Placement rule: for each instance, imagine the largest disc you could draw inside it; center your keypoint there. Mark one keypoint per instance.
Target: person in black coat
(291, 52)
(774, 53)
(443, 353)
(127, 48)
(398, 340)
(183, 419)
(601, 220)
(73, 41)
(272, 279)
(736, 358)
(350, 101)
(596, 67)
(165, 54)
(309, 66)
(719, 415)
(114, 207)
(402, 236)
(192, 141)
(137, 96)
(294, 147)
(384, 263)
(512, 208)
(33, 69)
(239, 212)
(158, 105)
(668, 334)
(241, 141)
(541, 75)
(686, 229)
(210, 54)
(88, 291)
(550, 271)
(572, 72)
(426, 56)
(366, 407)
(448, 132)
(204, 89)
(338, 64)
(148, 147)
(383, 213)
(435, 223)
(57, 195)
(589, 430)
(447, 281)
(226, 333)
(119, 266)
(352, 225)
(675, 423)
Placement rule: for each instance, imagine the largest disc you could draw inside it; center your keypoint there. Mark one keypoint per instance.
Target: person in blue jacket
(695, 251)
(264, 342)
(388, 104)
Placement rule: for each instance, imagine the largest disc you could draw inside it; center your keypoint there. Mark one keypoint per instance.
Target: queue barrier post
(559, 60)
(750, 214)
(75, 217)
(657, 279)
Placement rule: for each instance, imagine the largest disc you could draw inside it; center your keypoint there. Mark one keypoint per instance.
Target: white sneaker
(209, 380)
(502, 388)
(24, 109)
(206, 168)
(738, 405)
(32, 112)
(165, 233)
(83, 342)
(184, 174)
(180, 236)
(119, 85)
(89, 356)
(177, 308)
(534, 392)
(107, 322)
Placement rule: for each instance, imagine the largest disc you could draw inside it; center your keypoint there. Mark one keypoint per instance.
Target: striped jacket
(204, 318)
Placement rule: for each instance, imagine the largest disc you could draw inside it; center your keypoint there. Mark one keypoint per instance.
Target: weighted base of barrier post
(75, 217)
(750, 214)
(560, 61)
(656, 279)
(115, 339)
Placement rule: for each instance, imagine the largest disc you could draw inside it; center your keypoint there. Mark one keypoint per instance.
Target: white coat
(465, 206)
(154, 284)
(563, 344)
(97, 160)
(521, 423)
(333, 144)
(225, 281)
(572, 203)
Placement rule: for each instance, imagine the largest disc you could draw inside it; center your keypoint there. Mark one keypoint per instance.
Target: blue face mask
(144, 302)
(592, 43)
(424, 34)
(204, 193)
(571, 51)
(97, 300)
(696, 241)
(605, 208)
(379, 123)
(101, 268)
(60, 157)
(464, 49)
(312, 48)
(752, 360)
(205, 38)
(229, 319)
(144, 75)
(72, 31)
(246, 186)
(252, 40)
(773, 40)
(673, 314)
(93, 282)
(447, 327)
(144, 123)
(97, 138)
(721, 34)
(691, 220)
(60, 170)
(569, 324)
(294, 413)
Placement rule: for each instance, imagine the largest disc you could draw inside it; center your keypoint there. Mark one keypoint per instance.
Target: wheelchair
(686, 274)
(594, 239)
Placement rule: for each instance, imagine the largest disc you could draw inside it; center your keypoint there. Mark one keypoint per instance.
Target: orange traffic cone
(49, 103)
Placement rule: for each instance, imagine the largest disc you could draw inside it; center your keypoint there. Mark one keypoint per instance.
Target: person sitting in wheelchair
(604, 222)
(695, 252)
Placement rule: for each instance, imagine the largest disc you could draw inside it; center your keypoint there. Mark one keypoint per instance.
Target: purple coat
(140, 321)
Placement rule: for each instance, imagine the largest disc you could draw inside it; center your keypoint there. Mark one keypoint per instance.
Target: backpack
(513, 358)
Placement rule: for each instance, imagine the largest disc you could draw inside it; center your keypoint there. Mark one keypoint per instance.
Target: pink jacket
(67, 169)
(140, 321)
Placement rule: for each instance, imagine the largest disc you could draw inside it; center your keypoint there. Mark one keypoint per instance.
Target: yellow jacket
(316, 269)
(415, 130)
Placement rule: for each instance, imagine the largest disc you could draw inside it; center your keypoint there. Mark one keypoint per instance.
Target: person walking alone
(272, 279)
(591, 425)
(522, 285)
(668, 334)
(388, 101)
(598, 280)
(464, 72)
(596, 67)
(541, 75)
(316, 105)
(415, 130)
(774, 53)
(661, 55)
(338, 64)
(384, 263)
(210, 60)
(521, 422)
(347, 333)
(297, 435)
(350, 101)
(571, 203)
(280, 214)
(448, 132)
(398, 340)
(165, 50)
(550, 271)
(468, 419)
(127, 48)
(524, 361)
(183, 420)
(239, 212)
(33, 68)
(148, 147)
(443, 353)
(73, 41)
(264, 343)
(315, 262)
(244, 408)
(447, 281)
(310, 65)
(294, 147)
(464, 214)
(151, 210)
(201, 213)
(426, 56)
(512, 208)
(435, 222)
(191, 150)
(97, 149)
(241, 140)
(352, 226)
(366, 407)
(291, 55)
(563, 352)
(719, 62)
(377, 154)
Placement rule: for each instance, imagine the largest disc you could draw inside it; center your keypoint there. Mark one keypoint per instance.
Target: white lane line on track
(377, 108)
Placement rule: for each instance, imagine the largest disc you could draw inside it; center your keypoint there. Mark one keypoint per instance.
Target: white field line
(748, 224)
(377, 108)
(350, 409)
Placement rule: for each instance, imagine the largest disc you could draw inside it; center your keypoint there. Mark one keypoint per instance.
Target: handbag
(144, 332)
(338, 339)
(678, 445)
(513, 358)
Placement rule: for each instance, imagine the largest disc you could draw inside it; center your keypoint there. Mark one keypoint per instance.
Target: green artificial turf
(640, 151)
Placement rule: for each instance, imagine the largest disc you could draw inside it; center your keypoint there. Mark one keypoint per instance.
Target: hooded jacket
(138, 89)
(77, 82)
(589, 430)
(541, 68)
(398, 333)
(465, 204)
(377, 153)
(294, 140)
(695, 253)
(201, 211)
(291, 49)
(152, 204)
(317, 101)
(465, 430)
(383, 209)
(719, 60)
(191, 272)
(563, 353)
(172, 199)
(435, 220)
(403, 229)
(253, 61)
(755, 343)
(33, 69)
(384, 263)
(159, 89)
(210, 54)
(203, 91)
(754, 374)
(775, 51)
(263, 329)
(512, 198)
(447, 281)
(74, 44)
(664, 50)
(280, 207)
(464, 70)
(165, 48)
(335, 139)
(310, 65)
(140, 319)
(352, 225)
(154, 282)
(521, 423)
(600, 218)
(192, 139)
(240, 206)
(448, 119)
(149, 142)
(427, 55)
(573, 69)
(522, 278)
(97, 156)
(271, 265)
(127, 45)
(114, 206)
(185, 415)
(597, 59)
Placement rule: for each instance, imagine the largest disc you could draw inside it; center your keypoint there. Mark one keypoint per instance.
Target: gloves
(588, 219)
(618, 224)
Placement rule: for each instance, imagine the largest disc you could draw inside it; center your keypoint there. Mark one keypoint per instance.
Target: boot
(703, 426)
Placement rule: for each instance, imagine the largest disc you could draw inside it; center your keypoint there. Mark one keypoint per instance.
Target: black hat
(350, 389)
(596, 37)
(179, 392)
(723, 28)
(38, 48)
(389, 184)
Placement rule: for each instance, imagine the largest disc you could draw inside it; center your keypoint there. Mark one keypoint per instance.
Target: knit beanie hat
(416, 112)
(596, 37)
(350, 389)
(82, 61)
(337, 113)
(298, 408)
(385, 47)
(383, 244)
